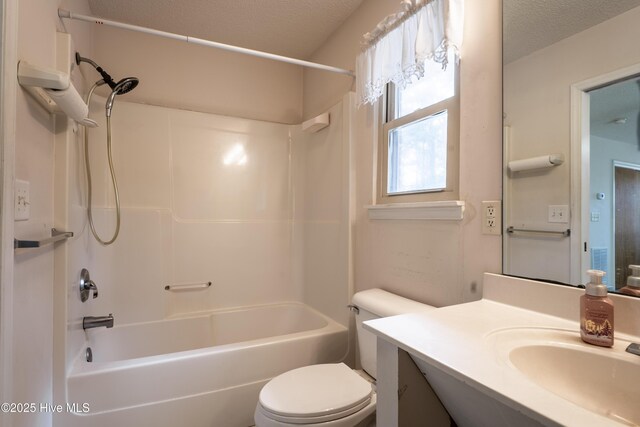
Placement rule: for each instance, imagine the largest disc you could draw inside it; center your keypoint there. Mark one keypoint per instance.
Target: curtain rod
(70, 15)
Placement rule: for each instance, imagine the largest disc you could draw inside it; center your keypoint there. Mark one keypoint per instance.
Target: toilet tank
(374, 304)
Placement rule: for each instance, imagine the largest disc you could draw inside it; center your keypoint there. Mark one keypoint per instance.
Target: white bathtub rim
(82, 368)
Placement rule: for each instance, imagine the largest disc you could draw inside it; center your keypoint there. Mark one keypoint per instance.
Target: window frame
(452, 105)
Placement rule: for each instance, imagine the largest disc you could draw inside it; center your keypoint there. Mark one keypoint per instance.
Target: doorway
(626, 219)
(613, 188)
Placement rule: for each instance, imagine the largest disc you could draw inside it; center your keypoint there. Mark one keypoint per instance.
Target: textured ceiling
(617, 101)
(293, 28)
(533, 24)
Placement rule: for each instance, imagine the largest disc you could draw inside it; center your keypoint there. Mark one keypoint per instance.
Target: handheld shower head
(126, 85)
(123, 86)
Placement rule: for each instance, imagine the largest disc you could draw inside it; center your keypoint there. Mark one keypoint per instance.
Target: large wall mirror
(571, 139)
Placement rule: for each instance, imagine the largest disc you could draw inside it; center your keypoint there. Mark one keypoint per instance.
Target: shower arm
(71, 15)
(106, 78)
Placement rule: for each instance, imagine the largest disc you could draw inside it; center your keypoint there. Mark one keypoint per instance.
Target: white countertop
(457, 340)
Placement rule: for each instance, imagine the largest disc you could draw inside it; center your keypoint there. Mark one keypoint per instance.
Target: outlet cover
(492, 217)
(22, 210)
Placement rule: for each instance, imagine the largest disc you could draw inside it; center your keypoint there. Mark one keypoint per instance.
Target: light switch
(559, 213)
(595, 216)
(22, 210)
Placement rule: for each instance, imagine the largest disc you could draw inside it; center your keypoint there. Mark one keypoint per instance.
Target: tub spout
(95, 322)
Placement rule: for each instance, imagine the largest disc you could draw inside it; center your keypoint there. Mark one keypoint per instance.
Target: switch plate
(22, 210)
(559, 213)
(492, 217)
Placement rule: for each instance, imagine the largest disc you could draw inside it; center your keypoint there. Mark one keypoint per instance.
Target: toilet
(333, 394)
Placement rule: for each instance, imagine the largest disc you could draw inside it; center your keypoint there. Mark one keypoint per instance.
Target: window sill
(447, 210)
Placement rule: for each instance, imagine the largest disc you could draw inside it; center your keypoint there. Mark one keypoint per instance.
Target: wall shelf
(56, 236)
(452, 210)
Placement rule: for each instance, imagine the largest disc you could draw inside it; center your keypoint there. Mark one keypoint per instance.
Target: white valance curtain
(396, 50)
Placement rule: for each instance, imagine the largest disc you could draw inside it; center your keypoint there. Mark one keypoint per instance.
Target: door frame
(8, 89)
(625, 165)
(580, 159)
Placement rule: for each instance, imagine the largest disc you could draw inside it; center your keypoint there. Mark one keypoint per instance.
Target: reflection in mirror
(571, 91)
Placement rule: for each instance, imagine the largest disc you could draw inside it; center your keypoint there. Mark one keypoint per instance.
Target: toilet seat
(315, 394)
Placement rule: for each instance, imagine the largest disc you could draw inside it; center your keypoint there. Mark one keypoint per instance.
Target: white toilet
(333, 394)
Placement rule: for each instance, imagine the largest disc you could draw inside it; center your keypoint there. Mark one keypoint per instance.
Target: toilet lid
(316, 391)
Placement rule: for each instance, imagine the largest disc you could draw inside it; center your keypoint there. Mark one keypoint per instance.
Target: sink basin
(603, 380)
(604, 384)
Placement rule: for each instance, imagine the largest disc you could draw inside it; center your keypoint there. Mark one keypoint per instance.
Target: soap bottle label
(596, 327)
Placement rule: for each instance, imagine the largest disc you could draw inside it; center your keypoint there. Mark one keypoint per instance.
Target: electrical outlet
(492, 218)
(22, 210)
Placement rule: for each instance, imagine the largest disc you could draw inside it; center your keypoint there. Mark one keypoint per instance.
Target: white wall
(440, 263)
(537, 105)
(603, 153)
(33, 287)
(180, 75)
(186, 216)
(323, 194)
(272, 229)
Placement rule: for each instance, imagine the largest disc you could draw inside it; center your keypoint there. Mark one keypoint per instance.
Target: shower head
(126, 85)
(123, 86)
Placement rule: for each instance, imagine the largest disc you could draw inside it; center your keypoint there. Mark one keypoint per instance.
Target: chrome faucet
(97, 321)
(634, 349)
(87, 285)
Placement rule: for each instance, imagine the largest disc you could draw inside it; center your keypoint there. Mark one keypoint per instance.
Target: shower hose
(113, 176)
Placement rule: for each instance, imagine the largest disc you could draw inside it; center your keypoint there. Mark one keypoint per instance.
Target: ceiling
(533, 24)
(295, 28)
(617, 101)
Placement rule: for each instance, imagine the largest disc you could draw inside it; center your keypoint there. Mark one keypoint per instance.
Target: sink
(603, 380)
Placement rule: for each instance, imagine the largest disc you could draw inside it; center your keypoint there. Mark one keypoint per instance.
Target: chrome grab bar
(187, 287)
(564, 233)
(56, 236)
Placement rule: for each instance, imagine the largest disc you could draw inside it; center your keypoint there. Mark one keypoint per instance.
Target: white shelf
(447, 210)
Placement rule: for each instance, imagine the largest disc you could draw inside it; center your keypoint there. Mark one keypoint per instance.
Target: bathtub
(198, 370)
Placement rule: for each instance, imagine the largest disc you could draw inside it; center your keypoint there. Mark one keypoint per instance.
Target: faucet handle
(634, 348)
(87, 285)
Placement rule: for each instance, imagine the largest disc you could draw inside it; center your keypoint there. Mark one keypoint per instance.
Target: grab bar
(564, 233)
(187, 287)
(56, 236)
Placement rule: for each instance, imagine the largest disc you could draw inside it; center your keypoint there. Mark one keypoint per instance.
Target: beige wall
(179, 75)
(538, 111)
(437, 262)
(33, 290)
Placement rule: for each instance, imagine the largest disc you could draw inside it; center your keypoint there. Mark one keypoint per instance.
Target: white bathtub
(203, 370)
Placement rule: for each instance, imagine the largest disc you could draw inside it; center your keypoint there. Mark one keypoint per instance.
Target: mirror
(571, 139)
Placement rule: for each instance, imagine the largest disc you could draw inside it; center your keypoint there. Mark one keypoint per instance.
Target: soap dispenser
(633, 282)
(596, 312)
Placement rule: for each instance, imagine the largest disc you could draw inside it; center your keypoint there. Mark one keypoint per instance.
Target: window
(419, 139)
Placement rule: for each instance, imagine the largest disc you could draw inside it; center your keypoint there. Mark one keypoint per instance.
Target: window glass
(417, 155)
(436, 86)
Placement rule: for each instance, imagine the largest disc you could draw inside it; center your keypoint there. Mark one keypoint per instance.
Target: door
(627, 222)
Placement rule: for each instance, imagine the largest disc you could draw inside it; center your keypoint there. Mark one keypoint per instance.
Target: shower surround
(259, 209)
